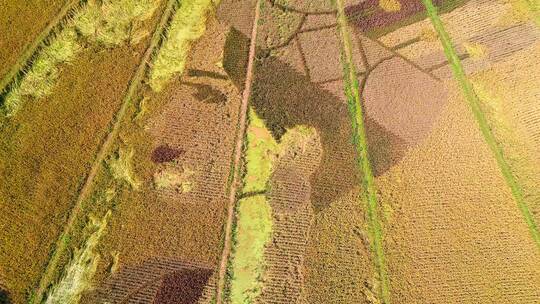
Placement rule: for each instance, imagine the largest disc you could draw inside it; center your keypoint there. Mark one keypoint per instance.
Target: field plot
(404, 107)
(21, 23)
(182, 138)
(46, 151)
(285, 97)
(461, 181)
(163, 280)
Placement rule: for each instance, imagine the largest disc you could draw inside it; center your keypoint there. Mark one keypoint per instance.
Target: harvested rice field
(270, 151)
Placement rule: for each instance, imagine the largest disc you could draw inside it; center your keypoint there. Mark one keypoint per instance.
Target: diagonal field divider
(474, 103)
(33, 48)
(352, 91)
(60, 246)
(235, 168)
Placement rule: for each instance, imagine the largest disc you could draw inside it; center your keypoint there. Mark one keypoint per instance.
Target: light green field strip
(534, 9)
(61, 246)
(253, 230)
(254, 216)
(352, 91)
(474, 103)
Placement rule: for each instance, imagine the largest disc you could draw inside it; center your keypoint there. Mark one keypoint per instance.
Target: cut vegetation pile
(80, 271)
(187, 26)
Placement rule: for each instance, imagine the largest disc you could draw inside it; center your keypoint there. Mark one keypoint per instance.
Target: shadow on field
(285, 99)
(157, 280)
(4, 297)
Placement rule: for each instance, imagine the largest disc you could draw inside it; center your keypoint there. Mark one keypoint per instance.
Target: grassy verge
(475, 104)
(352, 92)
(79, 272)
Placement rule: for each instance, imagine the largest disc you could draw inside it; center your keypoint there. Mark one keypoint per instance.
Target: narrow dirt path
(34, 47)
(60, 245)
(236, 178)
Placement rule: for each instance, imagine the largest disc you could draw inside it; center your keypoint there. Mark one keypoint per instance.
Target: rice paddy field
(270, 151)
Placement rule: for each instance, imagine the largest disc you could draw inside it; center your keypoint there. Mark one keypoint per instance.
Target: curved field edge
(61, 244)
(352, 92)
(475, 105)
(31, 49)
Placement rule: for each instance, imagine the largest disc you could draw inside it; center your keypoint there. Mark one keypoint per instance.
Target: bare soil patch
(157, 280)
(164, 153)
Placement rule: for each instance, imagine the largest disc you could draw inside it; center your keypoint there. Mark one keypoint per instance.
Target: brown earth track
(46, 152)
(236, 179)
(25, 25)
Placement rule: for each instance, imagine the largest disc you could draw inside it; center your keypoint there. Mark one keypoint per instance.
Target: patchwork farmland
(270, 151)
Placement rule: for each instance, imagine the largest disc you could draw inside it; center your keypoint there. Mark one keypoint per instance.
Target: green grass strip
(254, 216)
(352, 91)
(474, 103)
